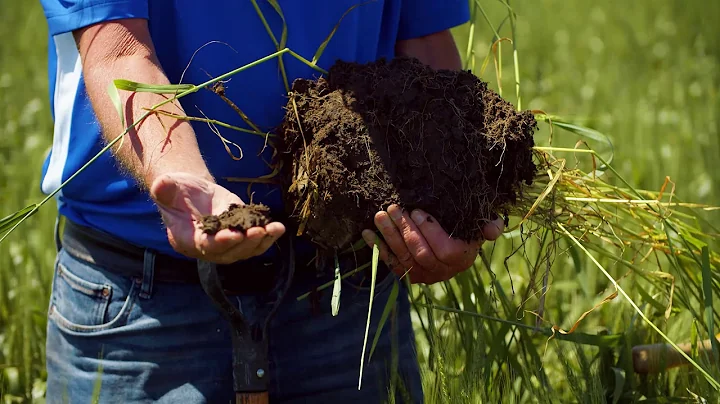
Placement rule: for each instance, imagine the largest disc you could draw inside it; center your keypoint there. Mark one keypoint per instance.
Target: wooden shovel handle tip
(252, 398)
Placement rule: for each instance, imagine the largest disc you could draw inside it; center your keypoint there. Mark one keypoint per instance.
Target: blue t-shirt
(106, 198)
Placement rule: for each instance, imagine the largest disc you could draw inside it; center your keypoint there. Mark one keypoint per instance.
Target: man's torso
(197, 41)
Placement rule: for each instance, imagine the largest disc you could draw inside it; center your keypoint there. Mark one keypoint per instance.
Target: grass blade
(9, 221)
(610, 340)
(335, 302)
(383, 319)
(582, 131)
(323, 45)
(619, 384)
(707, 294)
(97, 386)
(649, 299)
(470, 51)
(265, 23)
(127, 85)
(283, 36)
(694, 339)
(516, 64)
(283, 39)
(331, 283)
(375, 259)
(117, 103)
(542, 196)
(497, 350)
(487, 20)
(115, 99)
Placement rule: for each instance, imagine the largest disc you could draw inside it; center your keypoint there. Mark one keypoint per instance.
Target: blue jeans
(139, 341)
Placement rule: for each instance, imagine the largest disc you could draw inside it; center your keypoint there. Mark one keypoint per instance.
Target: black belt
(255, 275)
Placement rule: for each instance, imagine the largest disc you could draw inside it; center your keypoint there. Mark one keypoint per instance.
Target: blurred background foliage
(646, 73)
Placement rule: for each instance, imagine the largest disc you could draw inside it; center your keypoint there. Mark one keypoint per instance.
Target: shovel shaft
(249, 341)
(249, 359)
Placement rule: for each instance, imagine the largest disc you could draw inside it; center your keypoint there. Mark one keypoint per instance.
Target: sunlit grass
(642, 72)
(26, 261)
(583, 62)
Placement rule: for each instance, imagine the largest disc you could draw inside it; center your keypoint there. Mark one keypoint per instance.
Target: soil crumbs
(237, 218)
(398, 132)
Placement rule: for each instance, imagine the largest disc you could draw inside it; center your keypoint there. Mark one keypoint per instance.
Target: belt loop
(148, 274)
(56, 233)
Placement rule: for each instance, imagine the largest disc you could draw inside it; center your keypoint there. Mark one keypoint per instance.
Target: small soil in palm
(398, 132)
(237, 218)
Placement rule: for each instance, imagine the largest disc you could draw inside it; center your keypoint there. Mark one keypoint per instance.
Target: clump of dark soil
(371, 135)
(237, 218)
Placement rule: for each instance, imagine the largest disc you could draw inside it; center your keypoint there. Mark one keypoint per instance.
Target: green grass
(26, 260)
(645, 73)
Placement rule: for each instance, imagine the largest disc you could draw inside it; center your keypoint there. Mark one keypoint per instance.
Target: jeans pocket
(84, 299)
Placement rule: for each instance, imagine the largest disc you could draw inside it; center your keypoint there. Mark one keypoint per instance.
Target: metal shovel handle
(250, 362)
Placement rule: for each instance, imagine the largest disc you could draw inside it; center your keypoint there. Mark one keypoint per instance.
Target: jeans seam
(90, 289)
(77, 284)
(63, 323)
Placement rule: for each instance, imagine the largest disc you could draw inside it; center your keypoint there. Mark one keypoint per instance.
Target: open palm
(184, 198)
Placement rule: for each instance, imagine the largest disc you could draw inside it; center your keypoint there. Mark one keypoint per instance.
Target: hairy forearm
(438, 50)
(159, 144)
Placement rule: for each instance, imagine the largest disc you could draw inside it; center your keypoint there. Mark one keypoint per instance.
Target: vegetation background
(644, 72)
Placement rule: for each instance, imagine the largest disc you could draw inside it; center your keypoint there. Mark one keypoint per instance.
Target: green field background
(644, 72)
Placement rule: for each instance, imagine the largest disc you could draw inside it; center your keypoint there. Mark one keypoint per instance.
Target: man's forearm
(160, 144)
(438, 51)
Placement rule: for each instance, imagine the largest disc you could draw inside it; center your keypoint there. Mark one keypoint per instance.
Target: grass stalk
(642, 315)
(516, 64)
(283, 38)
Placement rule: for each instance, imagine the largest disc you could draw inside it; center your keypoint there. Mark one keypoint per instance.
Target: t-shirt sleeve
(68, 15)
(424, 17)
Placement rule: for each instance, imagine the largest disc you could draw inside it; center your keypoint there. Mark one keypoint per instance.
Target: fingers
(243, 250)
(385, 255)
(222, 242)
(408, 237)
(394, 239)
(451, 251)
(227, 246)
(273, 232)
(418, 241)
(413, 273)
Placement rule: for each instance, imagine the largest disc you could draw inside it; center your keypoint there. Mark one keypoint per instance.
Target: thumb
(493, 230)
(164, 190)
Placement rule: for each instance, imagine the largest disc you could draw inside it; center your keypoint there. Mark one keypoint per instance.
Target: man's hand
(184, 198)
(415, 244)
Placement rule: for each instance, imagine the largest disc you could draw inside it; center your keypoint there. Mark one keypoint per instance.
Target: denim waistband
(255, 275)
